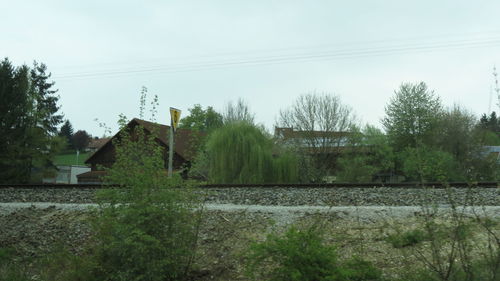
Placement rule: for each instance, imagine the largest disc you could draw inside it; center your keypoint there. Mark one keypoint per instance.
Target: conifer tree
(29, 120)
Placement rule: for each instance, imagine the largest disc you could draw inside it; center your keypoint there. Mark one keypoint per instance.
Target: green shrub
(147, 228)
(301, 255)
(407, 238)
(62, 265)
(10, 270)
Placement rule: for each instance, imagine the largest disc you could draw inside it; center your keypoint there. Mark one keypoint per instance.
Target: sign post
(175, 115)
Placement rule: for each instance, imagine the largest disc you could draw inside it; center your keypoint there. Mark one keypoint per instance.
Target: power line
(290, 58)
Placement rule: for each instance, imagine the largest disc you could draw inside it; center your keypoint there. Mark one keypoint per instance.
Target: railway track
(278, 185)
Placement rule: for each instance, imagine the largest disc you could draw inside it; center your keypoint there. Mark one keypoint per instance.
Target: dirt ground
(225, 238)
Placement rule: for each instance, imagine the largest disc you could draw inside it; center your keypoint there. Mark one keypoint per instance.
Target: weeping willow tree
(240, 153)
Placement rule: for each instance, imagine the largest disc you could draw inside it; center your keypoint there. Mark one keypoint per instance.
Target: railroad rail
(280, 185)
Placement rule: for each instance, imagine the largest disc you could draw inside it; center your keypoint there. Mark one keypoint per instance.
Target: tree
(80, 140)
(426, 163)
(199, 119)
(28, 123)
(323, 124)
(240, 152)
(66, 131)
(369, 156)
(457, 133)
(237, 112)
(491, 122)
(412, 116)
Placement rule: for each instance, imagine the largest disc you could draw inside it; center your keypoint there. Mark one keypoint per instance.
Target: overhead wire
(287, 58)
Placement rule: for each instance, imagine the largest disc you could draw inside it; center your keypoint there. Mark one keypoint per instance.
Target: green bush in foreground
(147, 228)
(11, 271)
(301, 255)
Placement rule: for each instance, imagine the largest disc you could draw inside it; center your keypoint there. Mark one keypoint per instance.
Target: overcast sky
(267, 52)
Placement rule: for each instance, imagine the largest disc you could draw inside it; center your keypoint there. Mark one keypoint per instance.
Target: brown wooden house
(184, 149)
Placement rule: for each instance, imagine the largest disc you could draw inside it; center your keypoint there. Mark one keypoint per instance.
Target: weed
(301, 255)
(407, 238)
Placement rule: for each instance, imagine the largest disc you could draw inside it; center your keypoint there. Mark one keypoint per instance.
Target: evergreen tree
(67, 132)
(491, 123)
(29, 120)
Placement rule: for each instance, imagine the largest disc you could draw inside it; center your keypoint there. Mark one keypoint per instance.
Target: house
(184, 149)
(322, 146)
(96, 143)
(315, 142)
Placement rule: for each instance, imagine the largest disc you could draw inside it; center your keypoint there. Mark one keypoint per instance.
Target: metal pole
(170, 151)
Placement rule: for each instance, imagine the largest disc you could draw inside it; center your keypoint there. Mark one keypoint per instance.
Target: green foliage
(490, 123)
(486, 137)
(407, 238)
(10, 270)
(147, 228)
(71, 159)
(459, 248)
(29, 122)
(62, 265)
(66, 131)
(369, 155)
(240, 153)
(80, 140)
(320, 122)
(303, 255)
(199, 119)
(355, 169)
(237, 112)
(411, 116)
(203, 121)
(429, 164)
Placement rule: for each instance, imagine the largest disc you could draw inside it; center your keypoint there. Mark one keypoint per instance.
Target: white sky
(267, 52)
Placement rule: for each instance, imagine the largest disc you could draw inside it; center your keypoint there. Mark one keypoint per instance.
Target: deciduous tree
(322, 123)
(240, 152)
(236, 112)
(80, 140)
(412, 116)
(200, 119)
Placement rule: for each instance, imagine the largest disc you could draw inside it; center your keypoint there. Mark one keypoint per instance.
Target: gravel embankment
(287, 214)
(378, 196)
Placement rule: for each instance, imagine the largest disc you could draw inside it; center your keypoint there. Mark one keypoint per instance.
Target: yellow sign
(175, 116)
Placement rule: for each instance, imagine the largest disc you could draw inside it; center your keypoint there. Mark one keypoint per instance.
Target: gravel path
(288, 214)
(379, 196)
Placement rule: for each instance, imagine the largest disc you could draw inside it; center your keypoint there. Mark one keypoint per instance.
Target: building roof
(183, 138)
(97, 143)
(290, 133)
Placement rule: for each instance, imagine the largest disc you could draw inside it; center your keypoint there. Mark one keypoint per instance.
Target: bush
(452, 246)
(429, 164)
(147, 228)
(408, 238)
(302, 255)
(62, 265)
(10, 270)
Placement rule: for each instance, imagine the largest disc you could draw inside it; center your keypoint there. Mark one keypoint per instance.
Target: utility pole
(175, 115)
